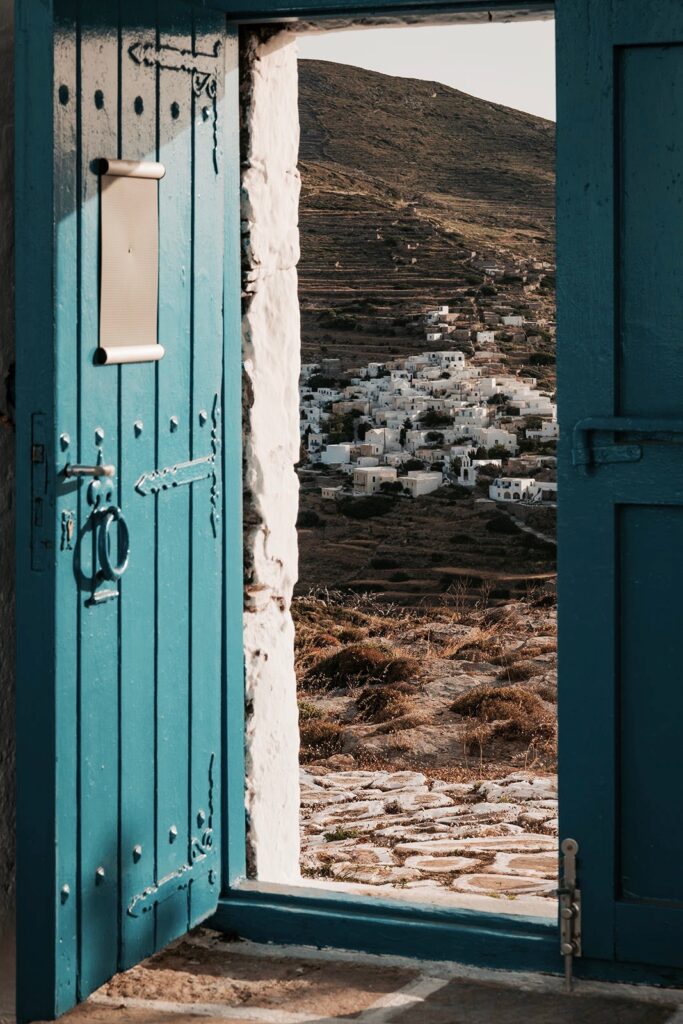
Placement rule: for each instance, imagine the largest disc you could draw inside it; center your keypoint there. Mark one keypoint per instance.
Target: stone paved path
(400, 833)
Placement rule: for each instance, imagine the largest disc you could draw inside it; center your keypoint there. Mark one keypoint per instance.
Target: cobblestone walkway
(401, 834)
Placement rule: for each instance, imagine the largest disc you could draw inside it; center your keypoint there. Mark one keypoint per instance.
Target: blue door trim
(282, 10)
(271, 913)
(40, 816)
(295, 915)
(301, 916)
(292, 914)
(233, 817)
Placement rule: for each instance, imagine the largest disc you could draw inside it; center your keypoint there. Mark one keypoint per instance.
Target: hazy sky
(513, 64)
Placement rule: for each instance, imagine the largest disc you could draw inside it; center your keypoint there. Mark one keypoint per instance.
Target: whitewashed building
(369, 479)
(548, 431)
(486, 337)
(507, 488)
(419, 483)
(336, 454)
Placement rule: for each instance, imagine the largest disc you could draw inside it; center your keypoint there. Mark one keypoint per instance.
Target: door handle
(94, 471)
(108, 517)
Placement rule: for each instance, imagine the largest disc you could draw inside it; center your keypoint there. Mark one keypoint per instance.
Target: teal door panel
(127, 749)
(620, 310)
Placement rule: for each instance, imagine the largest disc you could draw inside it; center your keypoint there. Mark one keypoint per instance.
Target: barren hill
(402, 181)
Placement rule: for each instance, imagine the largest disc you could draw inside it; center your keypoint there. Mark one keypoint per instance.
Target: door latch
(94, 471)
(595, 439)
(569, 896)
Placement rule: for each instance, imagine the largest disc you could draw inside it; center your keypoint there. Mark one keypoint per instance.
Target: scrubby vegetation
(386, 686)
(362, 663)
(508, 712)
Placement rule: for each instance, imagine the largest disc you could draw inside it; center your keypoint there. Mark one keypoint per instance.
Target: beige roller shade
(129, 262)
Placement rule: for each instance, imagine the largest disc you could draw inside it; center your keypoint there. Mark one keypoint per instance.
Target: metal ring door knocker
(108, 517)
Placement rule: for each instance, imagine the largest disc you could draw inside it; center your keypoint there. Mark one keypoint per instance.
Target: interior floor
(206, 975)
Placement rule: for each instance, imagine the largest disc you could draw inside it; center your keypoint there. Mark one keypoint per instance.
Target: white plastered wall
(271, 348)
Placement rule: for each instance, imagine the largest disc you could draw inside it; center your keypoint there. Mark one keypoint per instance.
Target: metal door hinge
(41, 504)
(569, 896)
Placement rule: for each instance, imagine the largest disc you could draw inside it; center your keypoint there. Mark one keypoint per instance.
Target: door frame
(299, 914)
(286, 914)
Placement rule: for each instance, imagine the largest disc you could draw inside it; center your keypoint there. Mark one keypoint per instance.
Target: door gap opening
(425, 609)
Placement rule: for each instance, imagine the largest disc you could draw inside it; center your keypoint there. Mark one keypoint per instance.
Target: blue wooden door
(620, 226)
(120, 671)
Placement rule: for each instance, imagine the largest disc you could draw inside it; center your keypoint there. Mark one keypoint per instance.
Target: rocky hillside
(402, 181)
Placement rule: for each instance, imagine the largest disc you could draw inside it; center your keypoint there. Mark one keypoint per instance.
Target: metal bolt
(99, 875)
(99, 435)
(175, 422)
(137, 853)
(64, 441)
(173, 833)
(137, 427)
(201, 817)
(203, 416)
(65, 893)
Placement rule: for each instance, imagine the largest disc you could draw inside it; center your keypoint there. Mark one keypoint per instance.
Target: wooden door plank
(68, 598)
(99, 623)
(136, 457)
(233, 775)
(650, 225)
(41, 991)
(586, 375)
(206, 428)
(173, 421)
(649, 708)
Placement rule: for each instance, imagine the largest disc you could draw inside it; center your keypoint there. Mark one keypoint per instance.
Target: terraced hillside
(402, 181)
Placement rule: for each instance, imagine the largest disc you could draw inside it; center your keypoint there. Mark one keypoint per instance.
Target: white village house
(431, 407)
(369, 479)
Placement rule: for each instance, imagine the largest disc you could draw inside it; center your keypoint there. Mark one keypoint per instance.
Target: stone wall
(271, 340)
(6, 497)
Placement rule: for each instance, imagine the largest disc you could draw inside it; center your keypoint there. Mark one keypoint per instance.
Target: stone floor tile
(467, 1002)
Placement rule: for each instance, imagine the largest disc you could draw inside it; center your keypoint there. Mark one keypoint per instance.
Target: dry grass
(360, 664)
(519, 672)
(375, 659)
(507, 712)
(523, 652)
(308, 711)
(384, 703)
(320, 738)
(327, 621)
(475, 643)
(546, 691)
